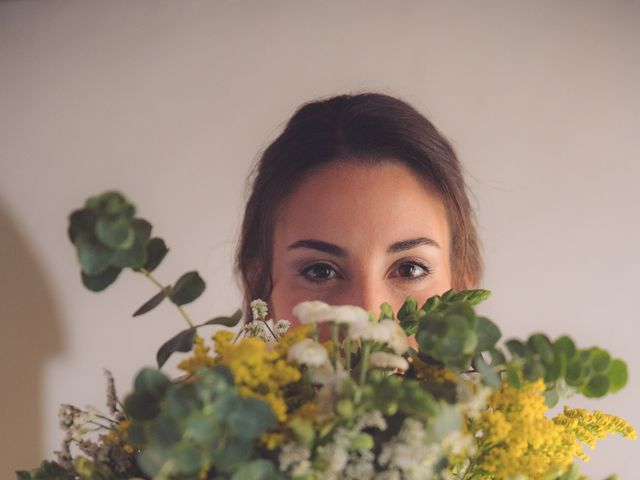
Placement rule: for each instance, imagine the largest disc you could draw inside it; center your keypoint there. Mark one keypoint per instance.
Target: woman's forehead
(382, 203)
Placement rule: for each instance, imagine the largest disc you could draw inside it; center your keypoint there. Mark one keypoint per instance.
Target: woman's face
(360, 235)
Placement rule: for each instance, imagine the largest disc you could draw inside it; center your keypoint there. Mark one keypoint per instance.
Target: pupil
(408, 270)
(322, 271)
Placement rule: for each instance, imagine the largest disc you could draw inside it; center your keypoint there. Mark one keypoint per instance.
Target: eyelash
(304, 271)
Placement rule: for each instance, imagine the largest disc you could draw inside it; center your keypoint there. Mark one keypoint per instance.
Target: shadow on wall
(29, 336)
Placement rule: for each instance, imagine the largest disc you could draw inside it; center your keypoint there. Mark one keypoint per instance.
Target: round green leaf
(81, 221)
(618, 375)
(94, 257)
(188, 287)
(565, 346)
(488, 334)
(600, 359)
(114, 233)
(598, 386)
(152, 382)
(141, 406)
(97, 283)
(541, 345)
(156, 251)
(134, 257)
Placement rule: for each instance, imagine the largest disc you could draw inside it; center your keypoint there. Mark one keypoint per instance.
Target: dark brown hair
(369, 128)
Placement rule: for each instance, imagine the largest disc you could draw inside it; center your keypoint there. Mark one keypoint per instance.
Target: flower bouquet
(269, 401)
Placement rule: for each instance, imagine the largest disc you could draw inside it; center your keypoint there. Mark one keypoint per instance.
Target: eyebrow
(412, 243)
(337, 251)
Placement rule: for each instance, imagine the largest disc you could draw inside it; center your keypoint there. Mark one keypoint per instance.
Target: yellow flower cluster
(515, 437)
(119, 436)
(260, 370)
(588, 427)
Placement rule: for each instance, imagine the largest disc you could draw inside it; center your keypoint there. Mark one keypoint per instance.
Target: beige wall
(171, 101)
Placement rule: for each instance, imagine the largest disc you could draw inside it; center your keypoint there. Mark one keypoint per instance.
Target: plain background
(171, 103)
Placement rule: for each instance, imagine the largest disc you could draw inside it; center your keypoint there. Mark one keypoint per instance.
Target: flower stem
(147, 274)
(364, 361)
(266, 324)
(347, 350)
(335, 330)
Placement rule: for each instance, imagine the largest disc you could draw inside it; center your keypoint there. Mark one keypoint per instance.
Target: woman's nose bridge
(368, 292)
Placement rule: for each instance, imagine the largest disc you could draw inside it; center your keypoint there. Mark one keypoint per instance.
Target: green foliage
(182, 342)
(449, 332)
(196, 425)
(188, 287)
(447, 328)
(46, 471)
(108, 238)
(226, 321)
(152, 303)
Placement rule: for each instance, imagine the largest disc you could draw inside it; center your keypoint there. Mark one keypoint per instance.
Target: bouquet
(269, 401)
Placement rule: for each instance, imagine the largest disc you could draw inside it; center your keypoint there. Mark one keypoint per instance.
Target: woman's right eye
(319, 272)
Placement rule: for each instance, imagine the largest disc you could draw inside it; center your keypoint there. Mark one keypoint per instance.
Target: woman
(360, 201)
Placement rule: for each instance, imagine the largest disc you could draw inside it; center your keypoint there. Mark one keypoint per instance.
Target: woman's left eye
(411, 271)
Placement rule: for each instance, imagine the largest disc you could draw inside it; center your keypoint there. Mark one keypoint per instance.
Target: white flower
(258, 329)
(307, 352)
(319, 312)
(307, 312)
(387, 360)
(259, 309)
(281, 327)
(349, 314)
(296, 458)
(387, 332)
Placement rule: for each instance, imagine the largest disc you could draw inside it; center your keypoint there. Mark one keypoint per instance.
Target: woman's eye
(412, 271)
(319, 272)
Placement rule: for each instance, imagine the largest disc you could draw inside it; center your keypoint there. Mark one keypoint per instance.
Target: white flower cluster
(259, 310)
(388, 360)
(309, 353)
(348, 463)
(386, 332)
(320, 312)
(410, 454)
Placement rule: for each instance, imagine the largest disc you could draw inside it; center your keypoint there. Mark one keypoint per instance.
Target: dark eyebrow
(409, 244)
(319, 245)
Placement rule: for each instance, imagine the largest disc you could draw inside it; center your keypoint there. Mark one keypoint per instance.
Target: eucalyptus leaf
(142, 229)
(81, 221)
(152, 382)
(152, 303)
(513, 376)
(94, 257)
(141, 406)
(188, 287)
(156, 251)
(489, 376)
(488, 334)
(551, 398)
(182, 342)
(133, 257)
(516, 348)
(100, 281)
(617, 373)
(565, 345)
(231, 321)
(597, 386)
(115, 233)
(600, 359)
(540, 344)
